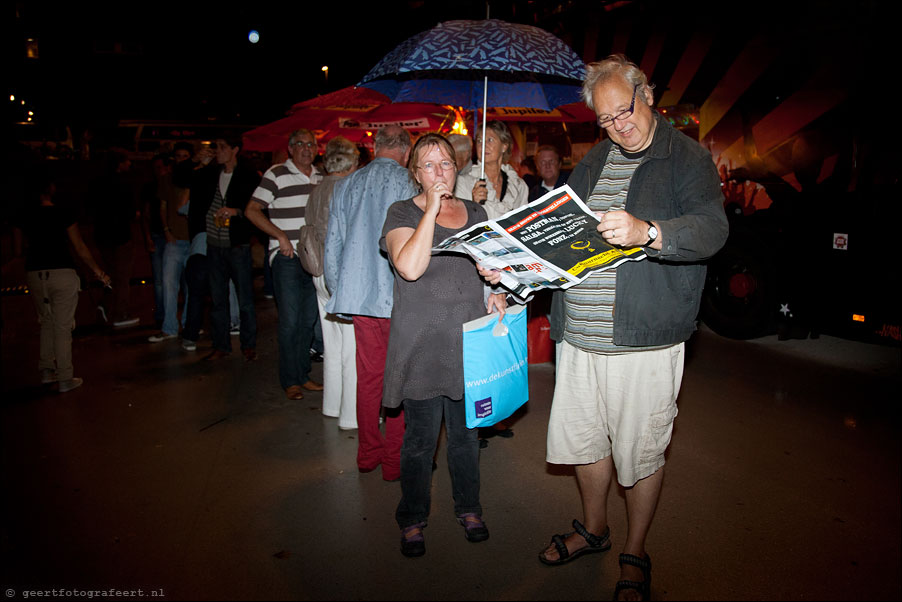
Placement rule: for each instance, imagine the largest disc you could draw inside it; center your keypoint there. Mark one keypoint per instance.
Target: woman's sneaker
(68, 385)
(160, 337)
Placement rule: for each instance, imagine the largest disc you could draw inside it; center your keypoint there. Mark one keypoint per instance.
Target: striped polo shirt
(589, 306)
(284, 190)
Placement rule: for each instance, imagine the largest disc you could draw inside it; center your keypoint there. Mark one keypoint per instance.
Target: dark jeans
(234, 263)
(156, 268)
(198, 279)
(317, 343)
(296, 300)
(268, 287)
(424, 420)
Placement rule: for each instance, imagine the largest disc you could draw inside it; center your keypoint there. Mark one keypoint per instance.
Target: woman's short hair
(504, 134)
(423, 144)
(614, 65)
(341, 155)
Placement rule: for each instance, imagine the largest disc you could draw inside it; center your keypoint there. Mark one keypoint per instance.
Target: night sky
(187, 61)
(191, 62)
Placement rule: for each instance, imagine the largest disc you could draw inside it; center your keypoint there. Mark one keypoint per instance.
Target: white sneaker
(235, 330)
(126, 322)
(188, 345)
(48, 376)
(68, 385)
(160, 337)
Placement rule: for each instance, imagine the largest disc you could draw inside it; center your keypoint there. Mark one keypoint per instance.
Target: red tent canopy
(350, 112)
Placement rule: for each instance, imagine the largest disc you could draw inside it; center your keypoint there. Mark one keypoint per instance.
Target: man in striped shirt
(284, 191)
(622, 331)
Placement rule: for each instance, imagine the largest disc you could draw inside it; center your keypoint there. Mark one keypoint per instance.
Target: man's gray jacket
(657, 299)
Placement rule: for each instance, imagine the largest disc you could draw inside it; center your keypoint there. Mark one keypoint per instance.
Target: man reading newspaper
(622, 330)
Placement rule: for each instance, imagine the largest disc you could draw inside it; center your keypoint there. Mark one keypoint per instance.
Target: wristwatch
(652, 234)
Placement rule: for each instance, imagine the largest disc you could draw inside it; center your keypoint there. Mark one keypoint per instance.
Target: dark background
(99, 62)
(192, 61)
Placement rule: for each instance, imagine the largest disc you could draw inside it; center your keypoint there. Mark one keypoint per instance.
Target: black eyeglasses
(609, 121)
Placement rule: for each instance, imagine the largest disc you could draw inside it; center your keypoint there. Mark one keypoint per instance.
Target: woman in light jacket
(502, 190)
(339, 347)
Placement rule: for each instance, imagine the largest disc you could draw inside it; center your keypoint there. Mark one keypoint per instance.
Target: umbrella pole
(485, 97)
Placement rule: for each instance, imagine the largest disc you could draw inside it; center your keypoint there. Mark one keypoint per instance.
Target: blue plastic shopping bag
(496, 382)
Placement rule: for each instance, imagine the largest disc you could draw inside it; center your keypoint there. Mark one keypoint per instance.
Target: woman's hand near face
(434, 196)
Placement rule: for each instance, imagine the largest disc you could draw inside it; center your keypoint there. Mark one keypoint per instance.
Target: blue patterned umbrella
(453, 62)
(450, 64)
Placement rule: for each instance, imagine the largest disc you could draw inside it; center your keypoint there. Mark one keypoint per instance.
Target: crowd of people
(350, 254)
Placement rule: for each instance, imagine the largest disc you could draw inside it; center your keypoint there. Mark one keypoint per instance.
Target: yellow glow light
(857, 317)
(459, 127)
(12, 97)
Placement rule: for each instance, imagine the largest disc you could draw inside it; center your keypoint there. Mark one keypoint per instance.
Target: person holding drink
(433, 296)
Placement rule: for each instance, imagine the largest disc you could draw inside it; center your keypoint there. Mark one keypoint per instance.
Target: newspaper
(549, 243)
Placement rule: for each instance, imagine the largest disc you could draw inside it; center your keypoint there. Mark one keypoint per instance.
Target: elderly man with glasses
(622, 331)
(284, 191)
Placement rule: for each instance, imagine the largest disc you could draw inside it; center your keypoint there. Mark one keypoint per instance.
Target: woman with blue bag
(434, 294)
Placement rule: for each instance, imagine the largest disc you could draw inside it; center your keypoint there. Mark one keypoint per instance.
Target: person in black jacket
(219, 193)
(548, 164)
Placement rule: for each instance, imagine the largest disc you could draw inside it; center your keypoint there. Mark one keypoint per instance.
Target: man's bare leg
(641, 502)
(594, 483)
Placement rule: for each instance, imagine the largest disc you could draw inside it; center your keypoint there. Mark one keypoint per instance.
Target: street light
(326, 71)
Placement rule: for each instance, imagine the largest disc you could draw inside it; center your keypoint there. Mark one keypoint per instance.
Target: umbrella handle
(485, 97)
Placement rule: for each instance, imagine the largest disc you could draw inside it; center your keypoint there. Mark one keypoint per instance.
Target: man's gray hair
(461, 143)
(392, 136)
(295, 135)
(341, 155)
(613, 66)
(549, 148)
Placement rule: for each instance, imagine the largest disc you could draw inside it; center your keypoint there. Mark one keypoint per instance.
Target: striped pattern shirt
(589, 306)
(218, 236)
(284, 190)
